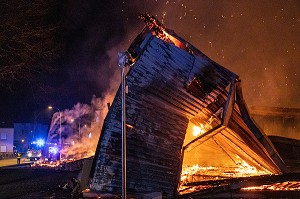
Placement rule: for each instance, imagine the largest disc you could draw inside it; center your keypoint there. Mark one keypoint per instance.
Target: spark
(163, 17)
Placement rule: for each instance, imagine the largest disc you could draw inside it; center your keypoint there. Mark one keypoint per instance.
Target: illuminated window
(3, 149)
(3, 136)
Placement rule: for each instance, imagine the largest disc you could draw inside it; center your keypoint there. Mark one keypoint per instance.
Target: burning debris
(280, 186)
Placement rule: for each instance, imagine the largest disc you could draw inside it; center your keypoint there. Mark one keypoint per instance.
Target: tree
(29, 40)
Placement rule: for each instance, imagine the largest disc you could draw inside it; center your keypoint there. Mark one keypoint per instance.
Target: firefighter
(18, 158)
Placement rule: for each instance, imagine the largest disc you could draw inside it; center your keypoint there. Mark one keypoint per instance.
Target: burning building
(187, 123)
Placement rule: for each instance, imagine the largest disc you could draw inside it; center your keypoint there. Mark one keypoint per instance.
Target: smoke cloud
(80, 128)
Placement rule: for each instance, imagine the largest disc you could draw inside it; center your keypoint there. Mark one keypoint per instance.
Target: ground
(29, 183)
(12, 161)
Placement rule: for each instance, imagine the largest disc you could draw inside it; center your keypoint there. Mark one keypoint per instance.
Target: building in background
(277, 121)
(6, 142)
(27, 133)
(282, 125)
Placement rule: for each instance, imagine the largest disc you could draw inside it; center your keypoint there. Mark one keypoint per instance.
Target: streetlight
(60, 143)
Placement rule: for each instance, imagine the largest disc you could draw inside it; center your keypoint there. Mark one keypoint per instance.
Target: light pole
(123, 62)
(60, 143)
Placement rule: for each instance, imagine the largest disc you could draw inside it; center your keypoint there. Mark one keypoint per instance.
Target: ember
(46, 164)
(196, 173)
(282, 186)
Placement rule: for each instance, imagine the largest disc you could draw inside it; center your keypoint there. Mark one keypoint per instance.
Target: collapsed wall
(171, 84)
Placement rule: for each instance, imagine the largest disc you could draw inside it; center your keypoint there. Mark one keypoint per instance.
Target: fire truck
(51, 152)
(34, 151)
(34, 154)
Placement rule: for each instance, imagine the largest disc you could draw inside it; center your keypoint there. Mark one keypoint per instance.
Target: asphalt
(13, 162)
(33, 183)
(23, 182)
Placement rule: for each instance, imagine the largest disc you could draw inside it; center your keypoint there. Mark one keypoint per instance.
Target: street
(12, 161)
(34, 183)
(25, 183)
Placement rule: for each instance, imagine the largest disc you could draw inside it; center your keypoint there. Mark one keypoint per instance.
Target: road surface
(12, 161)
(33, 183)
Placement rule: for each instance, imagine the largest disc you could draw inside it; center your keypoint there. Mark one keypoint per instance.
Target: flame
(159, 30)
(196, 173)
(198, 130)
(51, 164)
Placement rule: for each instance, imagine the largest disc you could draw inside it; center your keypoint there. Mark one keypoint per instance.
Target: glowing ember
(198, 173)
(159, 30)
(245, 169)
(283, 186)
(50, 164)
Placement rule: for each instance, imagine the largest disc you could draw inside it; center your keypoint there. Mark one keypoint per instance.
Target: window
(3, 149)
(3, 136)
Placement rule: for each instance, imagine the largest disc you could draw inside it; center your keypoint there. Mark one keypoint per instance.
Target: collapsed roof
(171, 83)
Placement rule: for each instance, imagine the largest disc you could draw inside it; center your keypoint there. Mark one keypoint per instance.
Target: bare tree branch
(29, 39)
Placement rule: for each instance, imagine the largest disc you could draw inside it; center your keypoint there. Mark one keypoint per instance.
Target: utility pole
(123, 60)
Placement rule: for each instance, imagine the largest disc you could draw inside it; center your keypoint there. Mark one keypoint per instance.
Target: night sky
(258, 40)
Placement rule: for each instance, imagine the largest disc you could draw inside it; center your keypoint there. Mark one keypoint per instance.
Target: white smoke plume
(80, 126)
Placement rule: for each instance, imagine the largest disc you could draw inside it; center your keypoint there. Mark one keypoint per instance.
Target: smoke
(80, 127)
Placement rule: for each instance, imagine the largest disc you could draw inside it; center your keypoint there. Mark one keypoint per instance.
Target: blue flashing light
(53, 150)
(40, 142)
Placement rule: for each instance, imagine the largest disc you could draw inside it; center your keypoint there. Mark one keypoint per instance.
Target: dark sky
(256, 39)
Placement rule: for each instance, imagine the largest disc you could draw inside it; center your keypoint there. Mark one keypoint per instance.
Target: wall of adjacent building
(275, 121)
(6, 140)
(25, 133)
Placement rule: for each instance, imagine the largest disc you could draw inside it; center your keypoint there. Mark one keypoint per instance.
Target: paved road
(28, 183)
(12, 161)
(33, 183)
